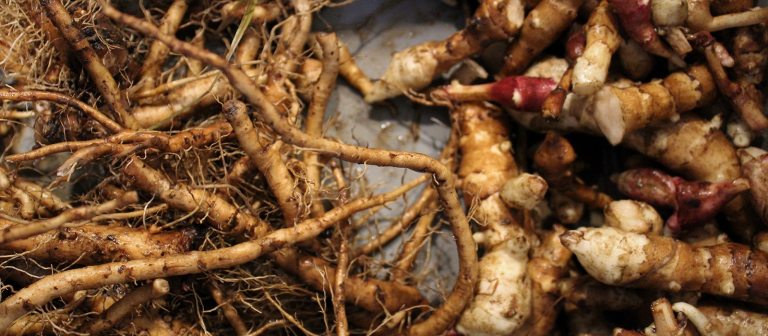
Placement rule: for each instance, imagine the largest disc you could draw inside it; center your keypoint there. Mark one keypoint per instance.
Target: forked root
(455, 302)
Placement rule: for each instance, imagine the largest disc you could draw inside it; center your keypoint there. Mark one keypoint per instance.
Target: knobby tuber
(502, 301)
(602, 40)
(622, 258)
(695, 202)
(416, 67)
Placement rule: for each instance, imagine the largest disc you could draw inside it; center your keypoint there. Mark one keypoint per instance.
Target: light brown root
(401, 225)
(407, 257)
(89, 154)
(351, 72)
(94, 244)
(343, 231)
(181, 100)
(269, 325)
(315, 271)
(127, 304)
(267, 159)
(176, 143)
(44, 197)
(99, 74)
(158, 52)
(30, 95)
(230, 313)
(21, 231)
(442, 317)
(195, 262)
(284, 61)
(313, 124)
(222, 214)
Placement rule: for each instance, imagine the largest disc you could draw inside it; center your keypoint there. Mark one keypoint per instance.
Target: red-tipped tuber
(695, 202)
(516, 92)
(635, 17)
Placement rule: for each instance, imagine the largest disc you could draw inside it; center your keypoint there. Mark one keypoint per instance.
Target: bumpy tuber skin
(750, 54)
(615, 257)
(554, 159)
(636, 63)
(695, 202)
(524, 191)
(622, 110)
(95, 244)
(543, 24)
(633, 216)
(547, 267)
(574, 112)
(745, 98)
(517, 92)
(635, 18)
(415, 67)
(502, 301)
(503, 293)
(602, 35)
(698, 150)
(718, 320)
(754, 166)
